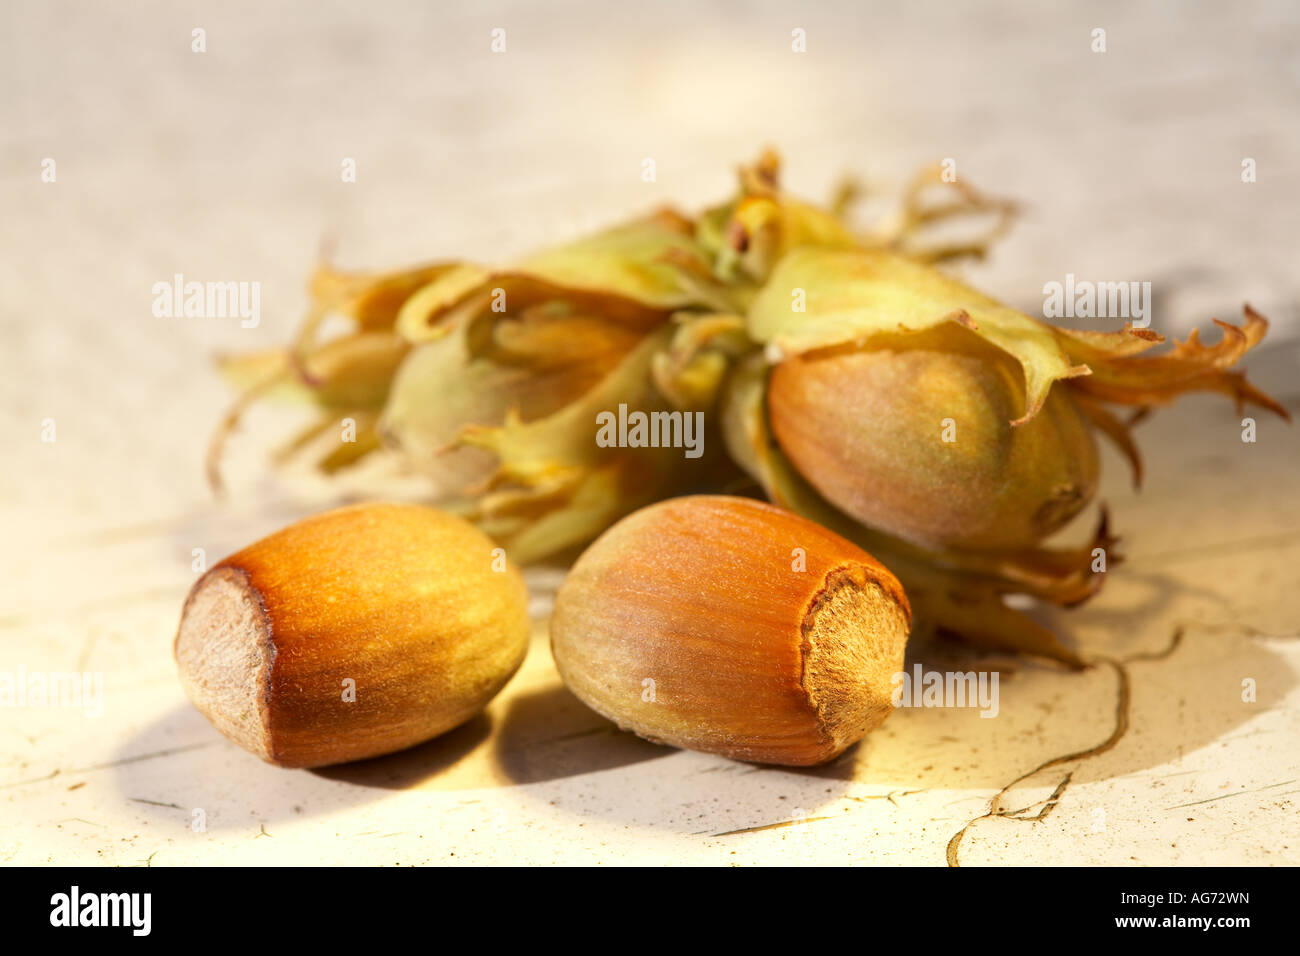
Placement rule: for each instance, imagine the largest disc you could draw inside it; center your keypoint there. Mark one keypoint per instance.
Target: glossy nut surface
(351, 634)
(729, 626)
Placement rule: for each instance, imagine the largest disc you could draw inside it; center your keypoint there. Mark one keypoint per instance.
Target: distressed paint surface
(225, 165)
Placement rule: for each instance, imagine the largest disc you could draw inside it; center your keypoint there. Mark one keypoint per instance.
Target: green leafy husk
(489, 377)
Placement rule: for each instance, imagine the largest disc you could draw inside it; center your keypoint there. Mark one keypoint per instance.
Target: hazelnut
(917, 441)
(352, 634)
(730, 626)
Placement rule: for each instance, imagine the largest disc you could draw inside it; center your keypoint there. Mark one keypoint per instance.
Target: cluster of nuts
(713, 623)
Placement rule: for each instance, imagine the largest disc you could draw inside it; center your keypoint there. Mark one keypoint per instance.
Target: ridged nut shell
(408, 604)
(729, 626)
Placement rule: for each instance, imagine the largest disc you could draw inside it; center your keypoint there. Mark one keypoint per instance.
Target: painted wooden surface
(225, 165)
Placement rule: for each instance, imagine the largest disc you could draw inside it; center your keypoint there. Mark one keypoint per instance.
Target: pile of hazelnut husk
(844, 375)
